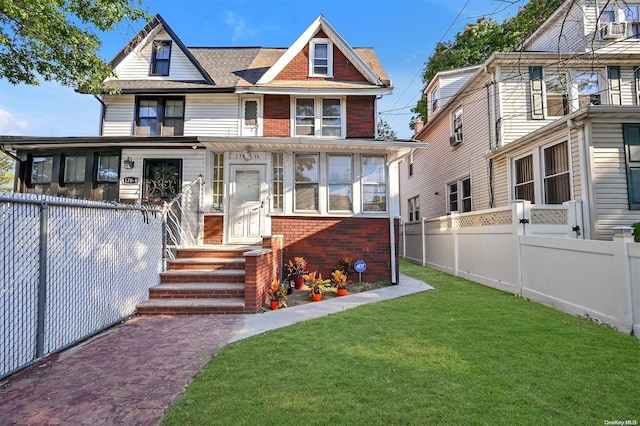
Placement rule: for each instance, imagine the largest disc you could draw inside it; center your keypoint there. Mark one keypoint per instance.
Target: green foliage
(6, 171)
(478, 41)
(636, 231)
(56, 40)
(460, 354)
(384, 131)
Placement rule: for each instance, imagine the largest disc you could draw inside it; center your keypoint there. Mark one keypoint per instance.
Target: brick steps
(201, 280)
(191, 306)
(197, 291)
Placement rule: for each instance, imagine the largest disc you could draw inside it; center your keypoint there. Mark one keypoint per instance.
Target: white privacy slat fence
(536, 252)
(69, 269)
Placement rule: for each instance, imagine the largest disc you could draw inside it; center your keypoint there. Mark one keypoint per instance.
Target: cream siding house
(557, 121)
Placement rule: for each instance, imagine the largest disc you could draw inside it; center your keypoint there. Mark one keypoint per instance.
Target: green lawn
(461, 354)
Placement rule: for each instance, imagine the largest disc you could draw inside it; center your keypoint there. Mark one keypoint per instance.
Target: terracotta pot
(275, 304)
(316, 297)
(298, 282)
(342, 291)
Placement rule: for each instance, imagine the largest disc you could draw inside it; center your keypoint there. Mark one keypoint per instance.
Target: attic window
(320, 58)
(160, 58)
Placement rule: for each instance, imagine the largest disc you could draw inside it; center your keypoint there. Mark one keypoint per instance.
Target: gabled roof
(550, 21)
(321, 24)
(146, 34)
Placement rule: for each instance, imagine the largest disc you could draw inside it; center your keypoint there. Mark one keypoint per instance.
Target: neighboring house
(284, 139)
(555, 122)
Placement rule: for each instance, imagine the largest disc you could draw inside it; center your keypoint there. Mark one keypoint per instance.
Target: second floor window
(414, 208)
(459, 193)
(319, 117)
(588, 89)
(160, 56)
(160, 116)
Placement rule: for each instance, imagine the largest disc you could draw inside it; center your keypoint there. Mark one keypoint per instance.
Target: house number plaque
(130, 180)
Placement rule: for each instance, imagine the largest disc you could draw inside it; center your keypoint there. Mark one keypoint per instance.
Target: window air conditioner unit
(613, 30)
(456, 139)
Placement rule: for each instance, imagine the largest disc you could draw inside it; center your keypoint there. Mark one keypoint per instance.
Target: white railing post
(521, 218)
(622, 237)
(575, 223)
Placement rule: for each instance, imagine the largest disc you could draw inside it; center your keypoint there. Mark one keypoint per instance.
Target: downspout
(490, 134)
(103, 111)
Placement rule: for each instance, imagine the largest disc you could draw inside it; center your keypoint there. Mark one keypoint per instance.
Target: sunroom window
(306, 184)
(340, 183)
(374, 184)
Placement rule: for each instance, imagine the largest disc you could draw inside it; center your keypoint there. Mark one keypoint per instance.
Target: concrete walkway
(133, 373)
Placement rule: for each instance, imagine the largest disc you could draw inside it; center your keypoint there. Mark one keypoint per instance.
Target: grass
(461, 354)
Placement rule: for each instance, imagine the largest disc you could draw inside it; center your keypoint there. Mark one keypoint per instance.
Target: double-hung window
(160, 116)
(321, 58)
(414, 208)
(557, 187)
(374, 184)
(321, 117)
(588, 89)
(459, 194)
(306, 182)
(524, 188)
(549, 95)
(434, 101)
(340, 183)
(160, 56)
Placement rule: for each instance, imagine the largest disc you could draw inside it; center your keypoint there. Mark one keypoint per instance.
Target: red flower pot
(298, 282)
(316, 297)
(275, 304)
(342, 291)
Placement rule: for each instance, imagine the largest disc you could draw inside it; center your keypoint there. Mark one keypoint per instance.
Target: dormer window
(160, 55)
(321, 58)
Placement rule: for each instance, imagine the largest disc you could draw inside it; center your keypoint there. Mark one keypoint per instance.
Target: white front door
(248, 203)
(250, 117)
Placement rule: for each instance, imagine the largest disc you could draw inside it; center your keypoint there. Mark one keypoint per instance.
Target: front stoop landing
(201, 280)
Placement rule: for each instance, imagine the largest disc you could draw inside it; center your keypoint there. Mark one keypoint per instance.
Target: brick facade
(277, 112)
(323, 241)
(213, 228)
(361, 120)
(298, 68)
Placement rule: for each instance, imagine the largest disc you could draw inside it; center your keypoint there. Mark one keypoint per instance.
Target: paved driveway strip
(130, 375)
(133, 373)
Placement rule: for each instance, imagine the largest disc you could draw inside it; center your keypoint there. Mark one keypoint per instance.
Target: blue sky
(403, 33)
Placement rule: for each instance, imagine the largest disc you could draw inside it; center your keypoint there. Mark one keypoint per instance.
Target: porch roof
(394, 149)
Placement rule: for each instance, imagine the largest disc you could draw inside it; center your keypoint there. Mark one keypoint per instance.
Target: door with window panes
(248, 192)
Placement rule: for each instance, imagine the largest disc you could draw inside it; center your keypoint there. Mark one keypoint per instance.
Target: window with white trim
(556, 179)
(414, 208)
(306, 182)
(588, 89)
(321, 58)
(459, 196)
(340, 183)
(277, 159)
(374, 184)
(320, 117)
(524, 186)
(217, 190)
(434, 100)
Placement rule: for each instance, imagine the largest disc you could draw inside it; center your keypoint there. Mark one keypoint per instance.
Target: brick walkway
(130, 375)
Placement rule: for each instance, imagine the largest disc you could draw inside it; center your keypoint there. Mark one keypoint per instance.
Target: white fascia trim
(305, 38)
(314, 92)
(136, 50)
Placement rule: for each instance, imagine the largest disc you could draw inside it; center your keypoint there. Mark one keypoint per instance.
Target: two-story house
(557, 121)
(283, 138)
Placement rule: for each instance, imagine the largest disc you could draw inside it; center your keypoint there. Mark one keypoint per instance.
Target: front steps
(201, 280)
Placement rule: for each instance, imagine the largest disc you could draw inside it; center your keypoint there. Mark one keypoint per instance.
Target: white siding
(451, 83)
(610, 180)
(211, 115)
(136, 65)
(119, 113)
(566, 34)
(193, 165)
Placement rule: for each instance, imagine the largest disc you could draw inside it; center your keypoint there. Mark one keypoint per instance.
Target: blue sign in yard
(360, 266)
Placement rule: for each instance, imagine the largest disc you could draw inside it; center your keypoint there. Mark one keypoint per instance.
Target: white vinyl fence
(68, 269)
(536, 252)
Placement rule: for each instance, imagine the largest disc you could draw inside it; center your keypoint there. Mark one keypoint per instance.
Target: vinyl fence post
(42, 283)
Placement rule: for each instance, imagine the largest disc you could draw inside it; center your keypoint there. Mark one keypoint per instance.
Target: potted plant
(316, 285)
(277, 294)
(297, 269)
(339, 279)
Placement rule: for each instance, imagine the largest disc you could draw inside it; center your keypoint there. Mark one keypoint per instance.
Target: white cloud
(10, 125)
(240, 29)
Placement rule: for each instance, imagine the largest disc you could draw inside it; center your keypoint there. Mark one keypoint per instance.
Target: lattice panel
(503, 217)
(549, 216)
(441, 224)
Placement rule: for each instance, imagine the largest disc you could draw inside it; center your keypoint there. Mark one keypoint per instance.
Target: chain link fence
(69, 269)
